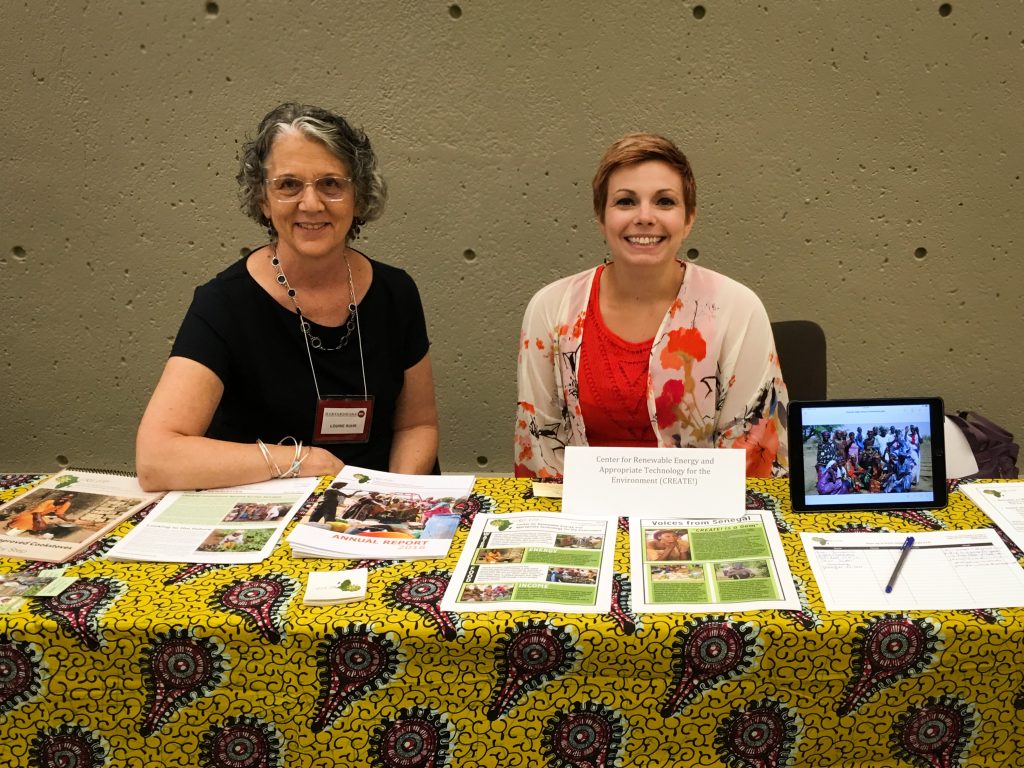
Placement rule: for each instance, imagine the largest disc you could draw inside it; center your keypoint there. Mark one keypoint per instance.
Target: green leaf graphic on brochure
(362, 478)
(501, 525)
(348, 586)
(65, 481)
(993, 492)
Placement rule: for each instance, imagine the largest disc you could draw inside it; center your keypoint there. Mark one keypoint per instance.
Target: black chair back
(801, 348)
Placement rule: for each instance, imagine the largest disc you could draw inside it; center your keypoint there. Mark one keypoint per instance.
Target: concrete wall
(857, 163)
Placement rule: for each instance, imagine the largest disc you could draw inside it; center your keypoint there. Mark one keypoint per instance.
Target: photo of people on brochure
(236, 540)
(489, 593)
(668, 545)
(385, 514)
(71, 516)
(867, 458)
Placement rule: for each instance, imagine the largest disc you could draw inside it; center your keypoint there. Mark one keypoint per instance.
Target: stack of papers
(335, 587)
(370, 515)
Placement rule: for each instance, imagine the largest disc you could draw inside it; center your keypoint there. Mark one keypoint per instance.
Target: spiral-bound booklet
(67, 512)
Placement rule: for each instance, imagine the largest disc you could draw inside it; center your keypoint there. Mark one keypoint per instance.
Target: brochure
(335, 587)
(534, 561)
(16, 587)
(371, 515)
(696, 482)
(1003, 503)
(697, 564)
(942, 570)
(66, 513)
(240, 524)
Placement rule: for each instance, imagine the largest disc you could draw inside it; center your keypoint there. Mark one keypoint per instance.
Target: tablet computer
(867, 454)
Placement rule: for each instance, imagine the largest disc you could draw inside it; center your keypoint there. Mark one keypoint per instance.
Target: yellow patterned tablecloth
(223, 667)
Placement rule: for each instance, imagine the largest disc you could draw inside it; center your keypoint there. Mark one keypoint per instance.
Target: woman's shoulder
(724, 291)
(389, 276)
(233, 278)
(554, 291)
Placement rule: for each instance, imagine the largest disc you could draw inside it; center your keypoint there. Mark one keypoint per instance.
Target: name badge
(343, 420)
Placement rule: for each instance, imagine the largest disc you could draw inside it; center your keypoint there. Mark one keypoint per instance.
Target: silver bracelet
(297, 459)
(275, 471)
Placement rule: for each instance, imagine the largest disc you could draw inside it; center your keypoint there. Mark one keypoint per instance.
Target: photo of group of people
(476, 593)
(563, 575)
(385, 515)
(846, 459)
(740, 569)
(71, 516)
(678, 572)
(254, 512)
(236, 540)
(571, 541)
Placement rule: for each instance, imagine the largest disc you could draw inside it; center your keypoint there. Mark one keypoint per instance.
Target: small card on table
(333, 587)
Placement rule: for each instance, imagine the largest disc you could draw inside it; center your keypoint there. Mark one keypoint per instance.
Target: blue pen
(905, 550)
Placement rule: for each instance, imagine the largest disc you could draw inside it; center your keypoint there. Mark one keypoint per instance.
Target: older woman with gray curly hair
(306, 354)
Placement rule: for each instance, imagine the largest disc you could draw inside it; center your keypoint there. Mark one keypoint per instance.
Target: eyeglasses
(288, 189)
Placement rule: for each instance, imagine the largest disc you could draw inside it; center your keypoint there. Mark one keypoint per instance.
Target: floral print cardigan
(713, 380)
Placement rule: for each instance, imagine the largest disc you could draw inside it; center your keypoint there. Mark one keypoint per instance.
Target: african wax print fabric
(156, 664)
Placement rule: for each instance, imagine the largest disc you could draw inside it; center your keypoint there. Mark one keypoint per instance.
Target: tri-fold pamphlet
(17, 587)
(65, 513)
(366, 514)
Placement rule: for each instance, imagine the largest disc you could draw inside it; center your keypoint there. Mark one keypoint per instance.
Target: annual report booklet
(534, 561)
(366, 514)
(700, 564)
(240, 524)
(67, 512)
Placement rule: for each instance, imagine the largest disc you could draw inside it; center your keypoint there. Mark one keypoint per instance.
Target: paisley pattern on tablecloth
(422, 595)
(242, 742)
(21, 672)
(165, 665)
(351, 663)
(530, 654)
(589, 734)
(178, 668)
(761, 734)
(935, 734)
(414, 738)
(886, 650)
(259, 601)
(68, 746)
(708, 651)
(79, 608)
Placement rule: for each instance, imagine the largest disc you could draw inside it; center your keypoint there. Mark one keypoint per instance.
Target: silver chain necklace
(315, 341)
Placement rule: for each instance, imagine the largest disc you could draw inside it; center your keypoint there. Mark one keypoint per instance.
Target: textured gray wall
(857, 163)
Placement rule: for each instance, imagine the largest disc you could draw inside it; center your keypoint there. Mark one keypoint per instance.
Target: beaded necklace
(315, 341)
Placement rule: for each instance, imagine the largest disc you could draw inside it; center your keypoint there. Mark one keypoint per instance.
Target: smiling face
(308, 226)
(645, 219)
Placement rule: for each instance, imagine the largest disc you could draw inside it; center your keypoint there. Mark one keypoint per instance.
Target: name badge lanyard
(340, 419)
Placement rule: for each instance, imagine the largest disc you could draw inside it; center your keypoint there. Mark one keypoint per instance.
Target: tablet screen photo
(867, 454)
